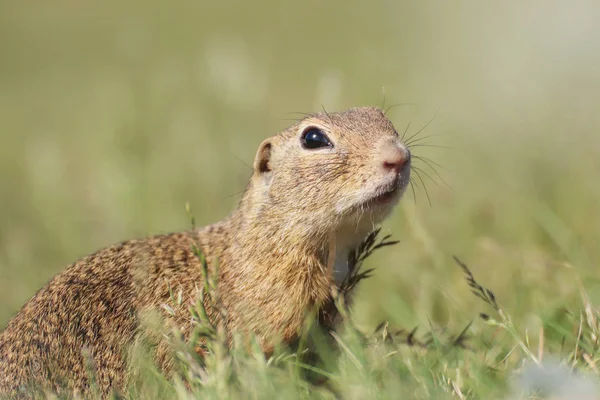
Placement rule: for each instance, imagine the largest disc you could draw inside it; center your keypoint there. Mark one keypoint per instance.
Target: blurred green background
(113, 115)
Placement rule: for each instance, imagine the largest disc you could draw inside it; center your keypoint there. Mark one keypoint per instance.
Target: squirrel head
(331, 171)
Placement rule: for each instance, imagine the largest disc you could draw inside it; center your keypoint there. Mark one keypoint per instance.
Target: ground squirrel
(317, 190)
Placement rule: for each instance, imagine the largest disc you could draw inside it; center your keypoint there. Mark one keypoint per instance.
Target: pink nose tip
(395, 157)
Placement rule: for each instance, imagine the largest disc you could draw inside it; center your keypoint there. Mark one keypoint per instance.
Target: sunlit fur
(272, 251)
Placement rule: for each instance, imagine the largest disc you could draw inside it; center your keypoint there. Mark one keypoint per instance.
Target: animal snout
(395, 157)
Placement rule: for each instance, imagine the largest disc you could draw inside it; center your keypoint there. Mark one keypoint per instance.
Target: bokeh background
(113, 115)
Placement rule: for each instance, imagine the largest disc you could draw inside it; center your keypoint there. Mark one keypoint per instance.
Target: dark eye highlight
(314, 138)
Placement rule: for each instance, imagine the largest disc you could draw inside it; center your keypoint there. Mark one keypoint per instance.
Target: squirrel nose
(395, 157)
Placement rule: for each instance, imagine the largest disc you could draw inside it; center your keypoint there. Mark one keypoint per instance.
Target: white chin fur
(358, 224)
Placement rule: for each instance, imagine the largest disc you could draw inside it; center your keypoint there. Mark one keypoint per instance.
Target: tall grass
(489, 358)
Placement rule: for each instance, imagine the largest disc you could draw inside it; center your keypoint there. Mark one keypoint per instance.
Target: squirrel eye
(315, 138)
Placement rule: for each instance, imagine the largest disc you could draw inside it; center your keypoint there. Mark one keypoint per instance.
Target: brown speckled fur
(272, 253)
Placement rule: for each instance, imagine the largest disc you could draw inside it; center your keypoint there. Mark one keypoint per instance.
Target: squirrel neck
(272, 237)
(271, 240)
(274, 259)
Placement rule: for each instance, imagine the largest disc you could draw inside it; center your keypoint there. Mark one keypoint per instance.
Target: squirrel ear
(263, 158)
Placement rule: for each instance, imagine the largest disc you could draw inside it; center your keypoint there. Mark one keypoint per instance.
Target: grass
(488, 358)
(116, 114)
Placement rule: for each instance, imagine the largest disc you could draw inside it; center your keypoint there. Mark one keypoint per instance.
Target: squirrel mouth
(384, 197)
